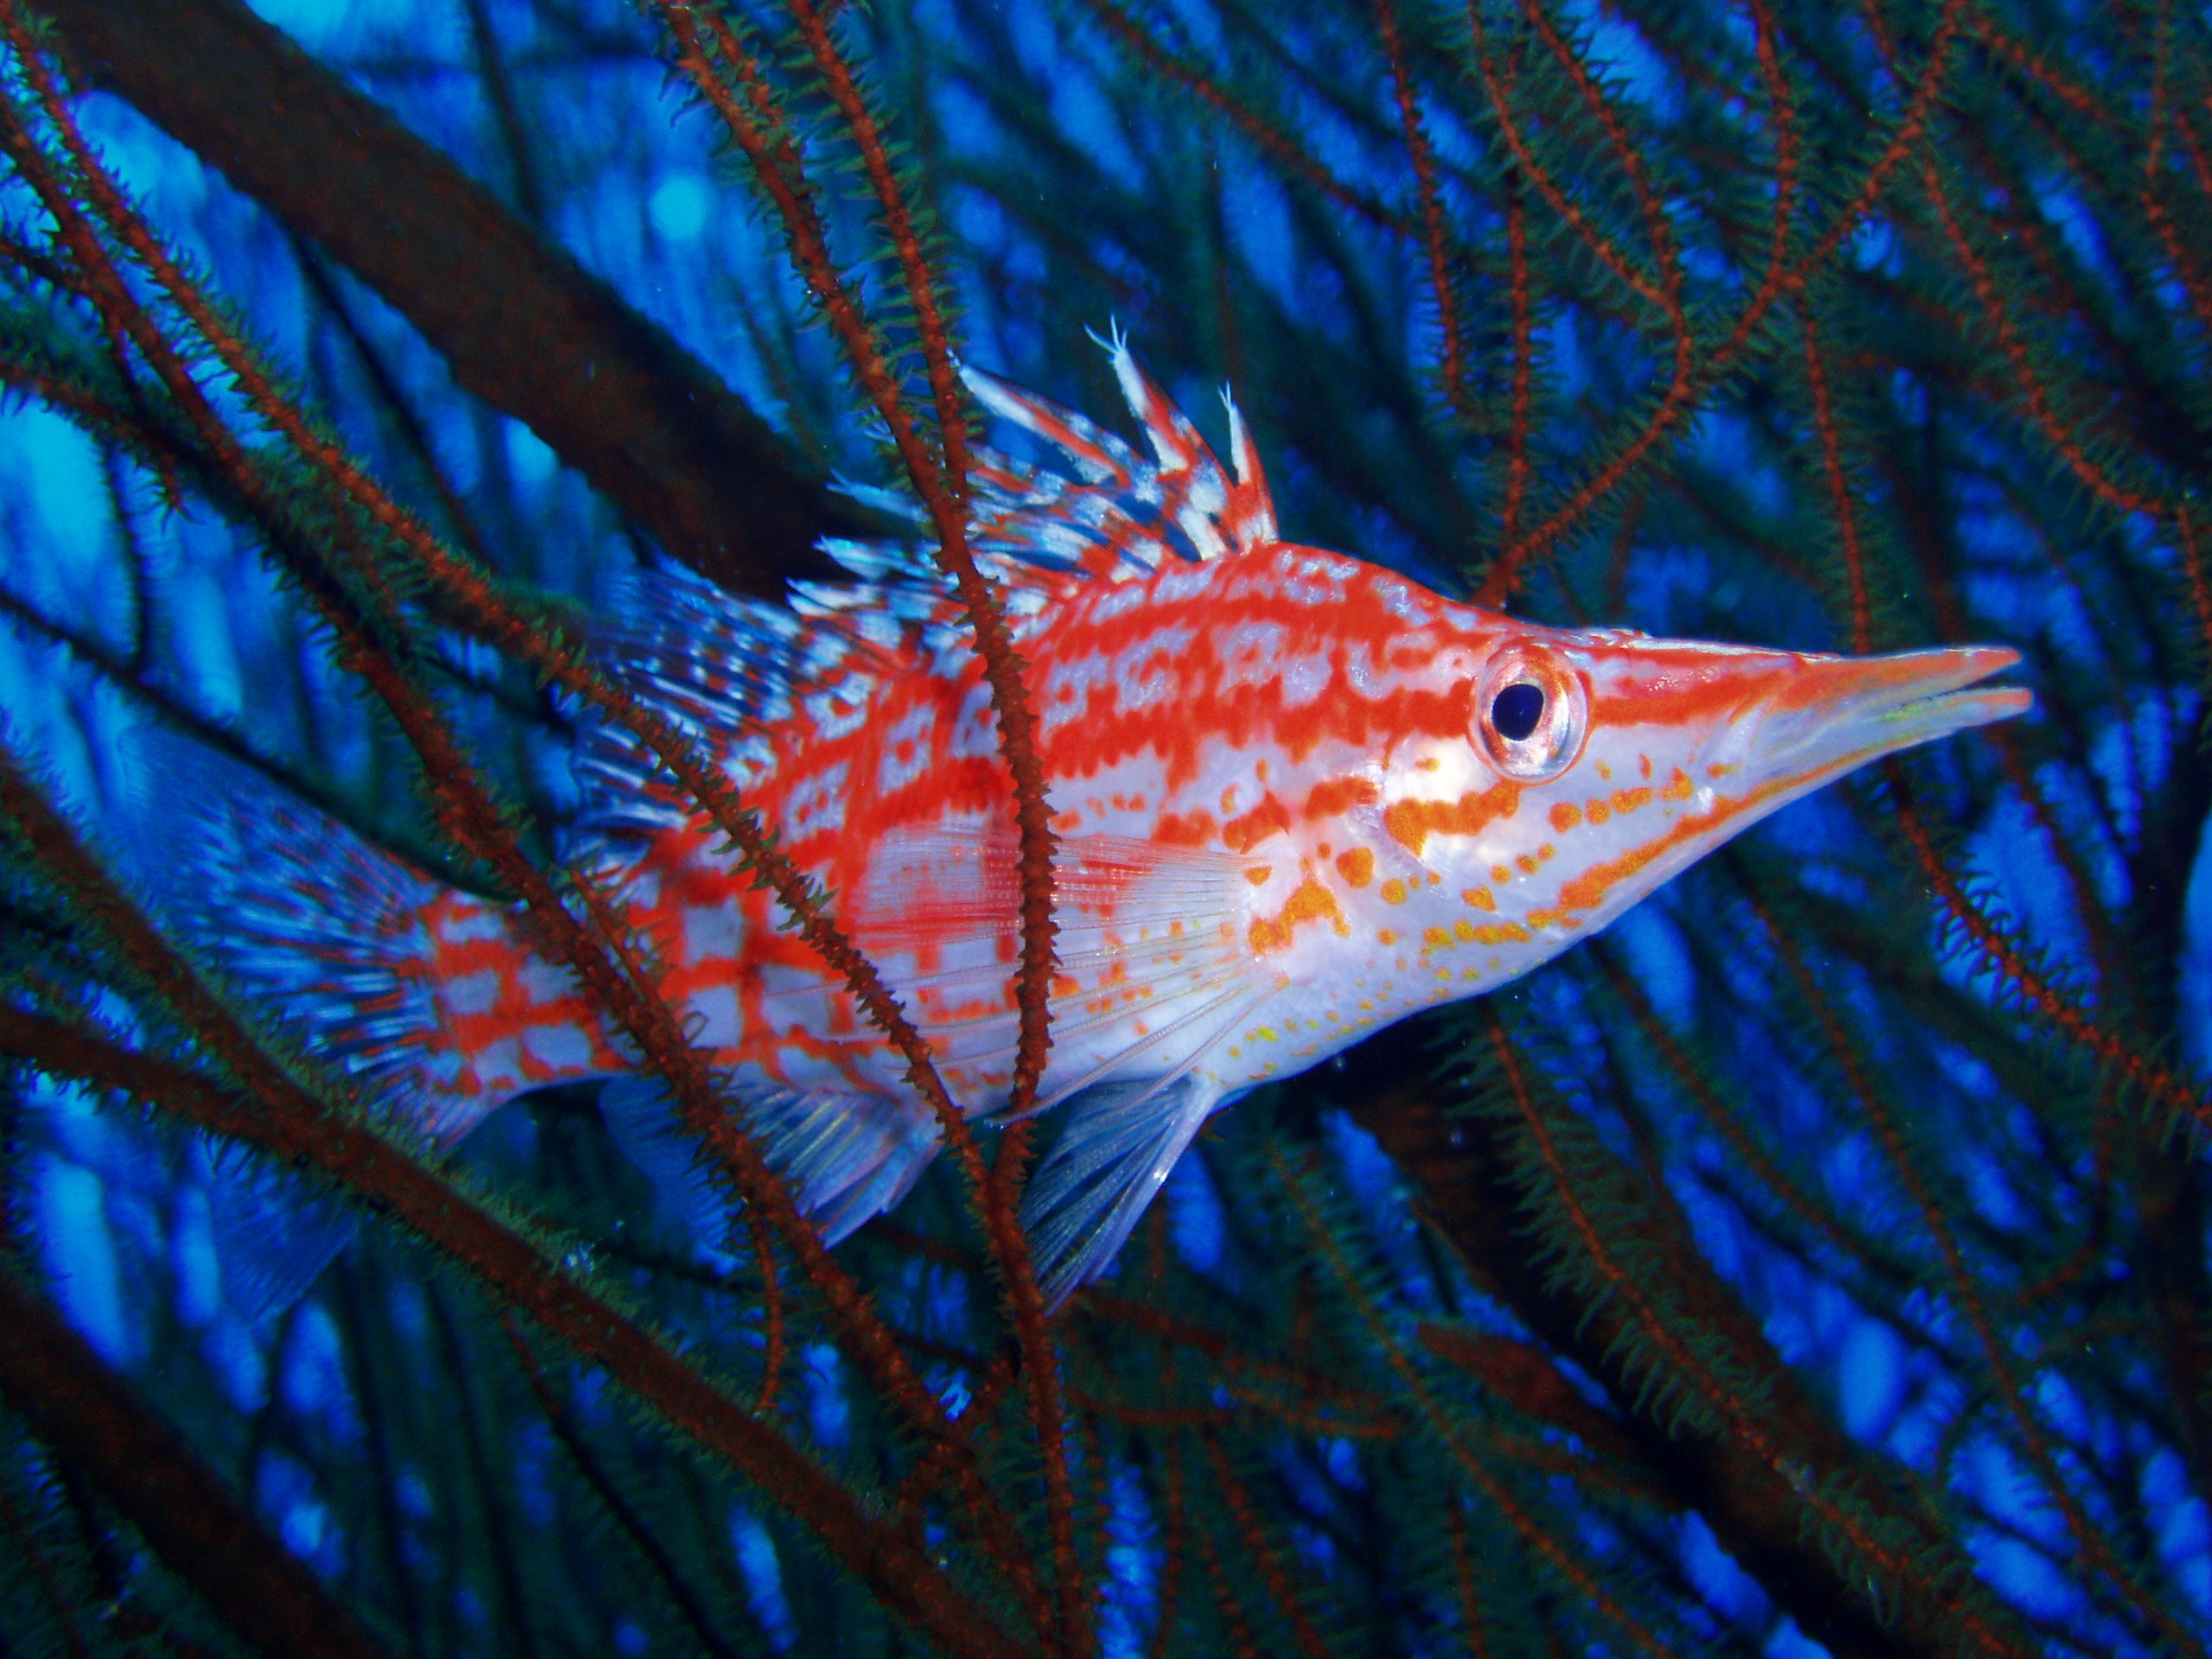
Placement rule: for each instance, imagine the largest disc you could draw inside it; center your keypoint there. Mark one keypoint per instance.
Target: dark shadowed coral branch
(1270, 138)
(1517, 433)
(693, 1610)
(1545, 1540)
(524, 327)
(1876, 1105)
(893, 1566)
(2030, 383)
(1462, 1166)
(1261, 1549)
(274, 1112)
(1708, 364)
(636, 1005)
(97, 1424)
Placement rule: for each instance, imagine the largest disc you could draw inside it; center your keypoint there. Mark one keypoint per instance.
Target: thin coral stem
(49, 1576)
(2200, 590)
(2060, 1488)
(1261, 1549)
(1519, 283)
(1174, 1522)
(489, 837)
(642, 1537)
(1886, 1563)
(1242, 1641)
(2028, 380)
(1543, 1540)
(941, 481)
(96, 1421)
(894, 1567)
(1840, 503)
(2036, 992)
(1270, 139)
(1712, 364)
(1452, 369)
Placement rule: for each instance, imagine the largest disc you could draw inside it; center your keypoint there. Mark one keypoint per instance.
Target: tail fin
(333, 936)
(419, 993)
(848, 1157)
(432, 999)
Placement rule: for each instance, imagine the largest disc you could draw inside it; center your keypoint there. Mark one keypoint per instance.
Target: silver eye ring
(1532, 712)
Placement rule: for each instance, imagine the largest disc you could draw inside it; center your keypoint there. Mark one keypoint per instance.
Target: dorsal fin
(722, 666)
(1120, 516)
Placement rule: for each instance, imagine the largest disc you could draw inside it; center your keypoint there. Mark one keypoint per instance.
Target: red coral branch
(1517, 425)
(1270, 140)
(2035, 992)
(1886, 1563)
(1453, 367)
(641, 1010)
(1997, 1354)
(1839, 498)
(894, 1567)
(2028, 381)
(941, 481)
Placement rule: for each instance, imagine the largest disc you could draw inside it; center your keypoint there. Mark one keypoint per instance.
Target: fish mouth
(1832, 714)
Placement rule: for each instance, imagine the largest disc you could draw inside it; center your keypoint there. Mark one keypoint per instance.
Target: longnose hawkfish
(1297, 797)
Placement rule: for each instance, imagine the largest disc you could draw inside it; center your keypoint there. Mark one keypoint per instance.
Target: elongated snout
(1825, 716)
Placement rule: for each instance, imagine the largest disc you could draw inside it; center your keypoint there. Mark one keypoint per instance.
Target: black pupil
(1516, 709)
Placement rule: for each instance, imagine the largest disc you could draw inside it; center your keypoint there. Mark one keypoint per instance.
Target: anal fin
(847, 1157)
(1122, 1138)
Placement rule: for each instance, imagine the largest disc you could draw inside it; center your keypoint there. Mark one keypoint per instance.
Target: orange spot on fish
(1678, 788)
(1394, 892)
(1383, 936)
(1332, 796)
(1357, 866)
(1260, 771)
(1500, 873)
(1643, 764)
(1627, 800)
(1196, 830)
(1436, 938)
(1604, 771)
(1411, 822)
(1565, 815)
(1588, 890)
(1502, 933)
(1528, 864)
(1553, 919)
(1258, 874)
(1599, 812)
(1268, 818)
(1465, 932)
(1480, 898)
(1310, 901)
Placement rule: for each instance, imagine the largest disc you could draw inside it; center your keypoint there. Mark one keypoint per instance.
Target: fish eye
(1531, 712)
(1516, 711)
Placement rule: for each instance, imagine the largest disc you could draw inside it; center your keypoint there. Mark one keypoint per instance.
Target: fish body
(1297, 797)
